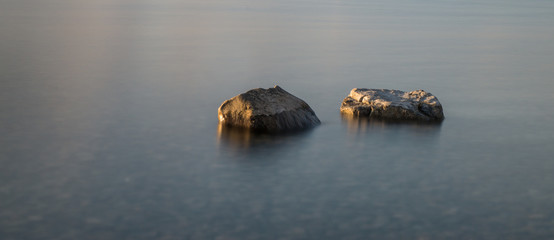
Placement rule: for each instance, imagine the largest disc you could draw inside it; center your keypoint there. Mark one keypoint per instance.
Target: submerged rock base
(271, 110)
(388, 104)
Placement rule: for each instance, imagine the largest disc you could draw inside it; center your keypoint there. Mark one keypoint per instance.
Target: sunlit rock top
(392, 105)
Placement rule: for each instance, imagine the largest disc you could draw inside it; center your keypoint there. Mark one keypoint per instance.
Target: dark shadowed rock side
(388, 104)
(271, 110)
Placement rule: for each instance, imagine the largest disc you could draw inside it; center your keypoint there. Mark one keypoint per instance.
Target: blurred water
(108, 120)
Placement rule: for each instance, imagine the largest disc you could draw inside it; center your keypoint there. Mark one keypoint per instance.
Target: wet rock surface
(270, 110)
(389, 104)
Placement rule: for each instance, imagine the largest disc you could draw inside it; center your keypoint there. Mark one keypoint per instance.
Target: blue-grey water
(109, 129)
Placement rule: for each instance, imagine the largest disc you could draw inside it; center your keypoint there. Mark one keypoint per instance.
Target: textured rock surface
(272, 109)
(392, 105)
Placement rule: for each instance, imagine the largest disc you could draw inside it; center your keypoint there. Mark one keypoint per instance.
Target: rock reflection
(246, 140)
(237, 137)
(362, 125)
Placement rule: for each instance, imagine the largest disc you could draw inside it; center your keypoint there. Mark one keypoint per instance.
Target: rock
(392, 105)
(272, 109)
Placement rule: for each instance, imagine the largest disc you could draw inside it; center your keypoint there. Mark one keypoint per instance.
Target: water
(108, 120)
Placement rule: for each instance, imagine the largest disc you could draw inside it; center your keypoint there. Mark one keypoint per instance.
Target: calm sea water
(108, 120)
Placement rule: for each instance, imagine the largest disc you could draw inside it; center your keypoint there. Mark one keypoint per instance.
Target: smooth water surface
(108, 120)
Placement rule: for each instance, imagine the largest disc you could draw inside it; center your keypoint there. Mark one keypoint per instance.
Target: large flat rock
(272, 110)
(392, 105)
